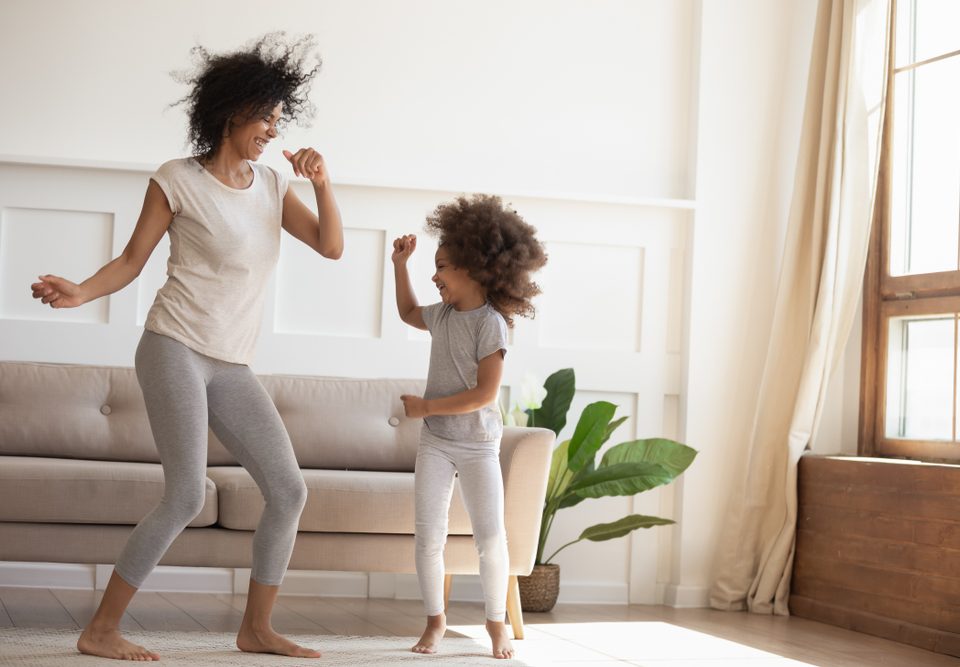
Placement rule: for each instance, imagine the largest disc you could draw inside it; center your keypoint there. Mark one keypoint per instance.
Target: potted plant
(624, 470)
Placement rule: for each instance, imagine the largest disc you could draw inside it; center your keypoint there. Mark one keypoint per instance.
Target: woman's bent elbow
(332, 253)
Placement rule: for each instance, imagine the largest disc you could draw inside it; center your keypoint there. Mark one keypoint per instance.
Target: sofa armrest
(525, 455)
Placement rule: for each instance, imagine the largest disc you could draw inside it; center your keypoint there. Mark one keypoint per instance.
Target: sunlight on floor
(655, 644)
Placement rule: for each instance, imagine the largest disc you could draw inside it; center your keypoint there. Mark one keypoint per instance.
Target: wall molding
(356, 181)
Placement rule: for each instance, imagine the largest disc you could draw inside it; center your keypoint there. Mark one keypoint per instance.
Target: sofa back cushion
(347, 424)
(97, 412)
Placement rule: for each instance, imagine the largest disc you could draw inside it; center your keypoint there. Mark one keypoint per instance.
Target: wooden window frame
(886, 296)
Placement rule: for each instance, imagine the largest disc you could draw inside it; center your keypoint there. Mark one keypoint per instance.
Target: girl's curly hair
(496, 248)
(245, 84)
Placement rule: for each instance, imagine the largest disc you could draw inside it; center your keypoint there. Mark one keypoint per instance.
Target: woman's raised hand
(308, 163)
(403, 247)
(57, 292)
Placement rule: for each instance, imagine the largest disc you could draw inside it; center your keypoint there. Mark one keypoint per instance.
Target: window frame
(886, 296)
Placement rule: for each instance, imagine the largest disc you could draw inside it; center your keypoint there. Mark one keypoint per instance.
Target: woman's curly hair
(496, 248)
(245, 84)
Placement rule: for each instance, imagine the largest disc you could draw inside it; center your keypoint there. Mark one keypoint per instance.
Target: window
(910, 402)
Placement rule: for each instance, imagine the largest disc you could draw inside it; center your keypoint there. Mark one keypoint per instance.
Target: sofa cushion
(99, 414)
(344, 423)
(47, 490)
(333, 422)
(338, 501)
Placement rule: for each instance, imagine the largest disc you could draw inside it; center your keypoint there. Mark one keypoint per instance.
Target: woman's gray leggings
(184, 392)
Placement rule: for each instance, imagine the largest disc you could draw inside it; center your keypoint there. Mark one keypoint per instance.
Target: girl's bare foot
(432, 634)
(108, 643)
(502, 648)
(266, 640)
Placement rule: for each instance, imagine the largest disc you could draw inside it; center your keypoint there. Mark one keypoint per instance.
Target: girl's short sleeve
(492, 335)
(429, 314)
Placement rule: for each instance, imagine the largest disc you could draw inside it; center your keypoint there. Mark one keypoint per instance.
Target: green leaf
(558, 480)
(610, 531)
(572, 499)
(672, 455)
(589, 433)
(611, 427)
(552, 413)
(621, 479)
(621, 527)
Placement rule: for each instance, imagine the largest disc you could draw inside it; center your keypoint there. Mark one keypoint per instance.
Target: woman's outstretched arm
(155, 218)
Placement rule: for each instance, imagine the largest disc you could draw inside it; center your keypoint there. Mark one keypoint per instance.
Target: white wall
(753, 72)
(650, 142)
(565, 97)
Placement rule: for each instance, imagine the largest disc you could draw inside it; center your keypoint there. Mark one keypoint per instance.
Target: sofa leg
(447, 583)
(513, 608)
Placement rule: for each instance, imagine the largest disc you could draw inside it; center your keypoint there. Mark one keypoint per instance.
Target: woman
(224, 213)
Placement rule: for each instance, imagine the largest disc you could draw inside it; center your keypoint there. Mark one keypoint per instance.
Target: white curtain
(820, 283)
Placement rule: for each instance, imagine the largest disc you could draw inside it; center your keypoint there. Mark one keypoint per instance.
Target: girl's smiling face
(456, 286)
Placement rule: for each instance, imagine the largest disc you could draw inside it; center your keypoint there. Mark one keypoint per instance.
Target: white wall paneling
(69, 222)
(313, 298)
(608, 297)
(82, 242)
(605, 311)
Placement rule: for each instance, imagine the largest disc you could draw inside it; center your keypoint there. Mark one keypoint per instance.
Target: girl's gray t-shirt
(460, 340)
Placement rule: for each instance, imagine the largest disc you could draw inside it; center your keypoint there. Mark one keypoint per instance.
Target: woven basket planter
(539, 591)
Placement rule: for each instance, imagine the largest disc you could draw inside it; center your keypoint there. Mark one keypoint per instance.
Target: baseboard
(686, 596)
(47, 575)
(313, 582)
(593, 592)
(465, 588)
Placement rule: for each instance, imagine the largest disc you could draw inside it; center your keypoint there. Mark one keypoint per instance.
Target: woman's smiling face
(250, 138)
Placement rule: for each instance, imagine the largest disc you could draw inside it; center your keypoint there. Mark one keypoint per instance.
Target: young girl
(486, 255)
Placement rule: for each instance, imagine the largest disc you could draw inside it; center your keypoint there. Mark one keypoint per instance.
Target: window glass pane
(925, 214)
(920, 378)
(926, 28)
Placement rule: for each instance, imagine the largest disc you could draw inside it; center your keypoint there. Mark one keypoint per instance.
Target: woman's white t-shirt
(224, 243)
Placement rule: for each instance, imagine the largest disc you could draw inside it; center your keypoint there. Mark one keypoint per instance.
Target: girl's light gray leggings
(184, 392)
(481, 485)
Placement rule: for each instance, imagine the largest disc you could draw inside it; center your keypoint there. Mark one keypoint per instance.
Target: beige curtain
(820, 283)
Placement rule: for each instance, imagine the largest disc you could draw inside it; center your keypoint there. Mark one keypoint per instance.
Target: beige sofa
(78, 469)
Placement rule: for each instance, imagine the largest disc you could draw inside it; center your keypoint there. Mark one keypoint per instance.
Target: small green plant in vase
(625, 469)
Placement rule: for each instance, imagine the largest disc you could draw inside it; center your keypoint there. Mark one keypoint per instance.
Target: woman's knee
(289, 496)
(185, 505)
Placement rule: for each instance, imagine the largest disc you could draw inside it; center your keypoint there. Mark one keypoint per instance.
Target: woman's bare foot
(432, 634)
(268, 641)
(108, 643)
(502, 648)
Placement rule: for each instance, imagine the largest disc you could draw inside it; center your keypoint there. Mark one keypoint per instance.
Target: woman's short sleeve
(166, 177)
(282, 181)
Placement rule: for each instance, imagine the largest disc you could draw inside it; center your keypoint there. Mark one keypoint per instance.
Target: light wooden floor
(579, 635)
